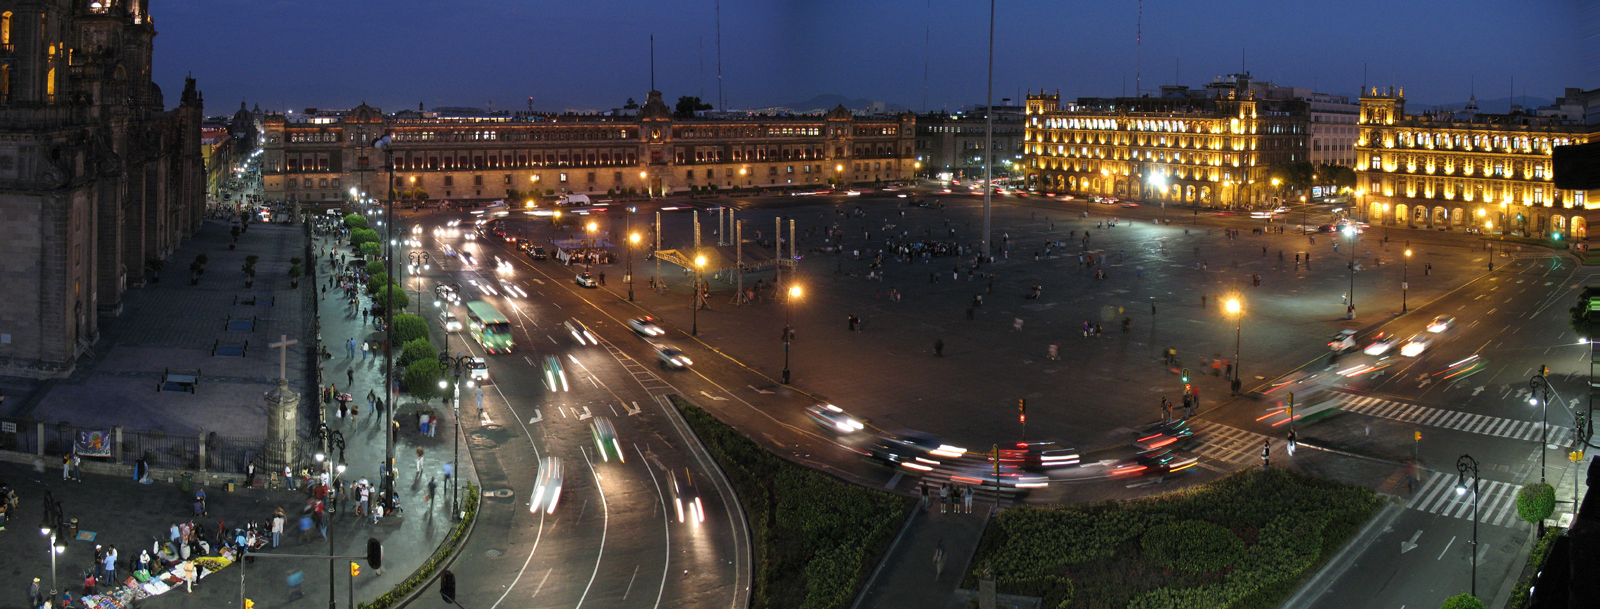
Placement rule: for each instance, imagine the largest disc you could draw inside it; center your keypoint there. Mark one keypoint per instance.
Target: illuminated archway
(1580, 228)
(1400, 213)
(1440, 217)
(1375, 210)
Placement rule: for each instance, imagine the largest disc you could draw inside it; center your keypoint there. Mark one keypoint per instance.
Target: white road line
(605, 526)
(666, 524)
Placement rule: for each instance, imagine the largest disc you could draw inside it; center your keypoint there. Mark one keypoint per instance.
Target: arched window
(5, 28)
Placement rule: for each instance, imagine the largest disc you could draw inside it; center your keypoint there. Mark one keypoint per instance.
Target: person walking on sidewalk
(350, 346)
(188, 575)
(35, 596)
(350, 374)
(277, 527)
(944, 498)
(419, 461)
(77, 466)
(938, 560)
(364, 348)
(966, 498)
(923, 486)
(111, 564)
(1266, 454)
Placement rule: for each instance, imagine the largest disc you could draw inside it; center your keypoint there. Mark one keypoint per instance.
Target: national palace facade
(1457, 170)
(319, 159)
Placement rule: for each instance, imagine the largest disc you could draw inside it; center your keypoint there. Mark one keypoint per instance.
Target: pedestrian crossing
(1452, 419)
(1497, 501)
(1227, 443)
(646, 378)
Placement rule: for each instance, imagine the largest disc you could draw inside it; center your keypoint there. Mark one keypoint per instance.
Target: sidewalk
(908, 578)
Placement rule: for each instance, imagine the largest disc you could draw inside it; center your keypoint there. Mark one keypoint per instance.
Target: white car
(834, 418)
(581, 333)
(450, 321)
(686, 499)
(1415, 345)
(646, 326)
(477, 369)
(1344, 340)
(1380, 345)
(672, 357)
(586, 279)
(547, 487)
(1441, 323)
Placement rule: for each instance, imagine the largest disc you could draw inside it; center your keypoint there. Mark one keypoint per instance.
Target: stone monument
(283, 409)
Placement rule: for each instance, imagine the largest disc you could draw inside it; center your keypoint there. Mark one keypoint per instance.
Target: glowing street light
(788, 329)
(699, 265)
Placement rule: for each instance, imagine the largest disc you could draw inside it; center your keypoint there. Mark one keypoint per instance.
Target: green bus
(489, 327)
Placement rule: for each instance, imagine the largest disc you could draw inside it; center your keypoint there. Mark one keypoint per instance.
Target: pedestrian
(921, 486)
(938, 347)
(288, 478)
(277, 527)
(1266, 454)
(343, 408)
(188, 575)
(938, 560)
(35, 596)
(350, 373)
(431, 487)
(944, 498)
(1053, 351)
(250, 474)
(77, 466)
(371, 398)
(364, 348)
(419, 461)
(1292, 439)
(66, 467)
(111, 564)
(1202, 301)
(966, 498)
(350, 346)
(144, 561)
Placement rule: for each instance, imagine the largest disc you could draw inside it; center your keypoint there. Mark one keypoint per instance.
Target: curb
(448, 561)
(873, 579)
(1341, 562)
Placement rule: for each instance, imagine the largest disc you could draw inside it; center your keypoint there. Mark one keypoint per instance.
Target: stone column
(283, 408)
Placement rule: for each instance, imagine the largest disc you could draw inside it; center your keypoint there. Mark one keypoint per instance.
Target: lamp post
(384, 143)
(50, 527)
(1463, 465)
(633, 241)
(1540, 383)
(1350, 311)
(455, 366)
(788, 329)
(419, 259)
(1237, 309)
(694, 303)
(1405, 281)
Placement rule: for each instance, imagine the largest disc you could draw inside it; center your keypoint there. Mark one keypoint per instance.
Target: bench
(184, 379)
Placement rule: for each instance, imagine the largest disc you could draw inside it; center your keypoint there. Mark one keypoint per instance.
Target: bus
(489, 327)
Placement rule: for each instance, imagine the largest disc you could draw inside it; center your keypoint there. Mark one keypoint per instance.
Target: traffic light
(1289, 407)
(1544, 371)
(447, 587)
(1185, 377)
(374, 553)
(249, 604)
(1417, 437)
(355, 570)
(1022, 410)
(1186, 389)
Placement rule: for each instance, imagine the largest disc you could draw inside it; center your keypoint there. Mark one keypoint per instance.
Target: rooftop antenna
(652, 62)
(1363, 79)
(1177, 70)
(927, 38)
(720, 101)
(703, 68)
(1138, 49)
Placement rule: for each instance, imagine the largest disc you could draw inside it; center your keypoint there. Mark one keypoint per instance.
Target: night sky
(594, 55)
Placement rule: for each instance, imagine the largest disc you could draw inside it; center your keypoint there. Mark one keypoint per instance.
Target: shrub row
(814, 539)
(1536, 558)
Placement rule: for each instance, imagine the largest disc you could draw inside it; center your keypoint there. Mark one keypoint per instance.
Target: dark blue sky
(595, 54)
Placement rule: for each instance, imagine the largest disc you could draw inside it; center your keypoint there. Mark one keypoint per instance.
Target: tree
(688, 105)
(294, 275)
(417, 350)
(370, 249)
(1295, 175)
(1338, 175)
(1536, 501)
(363, 235)
(408, 328)
(355, 221)
(1580, 312)
(631, 105)
(374, 267)
(422, 378)
(395, 297)
(376, 282)
(1462, 601)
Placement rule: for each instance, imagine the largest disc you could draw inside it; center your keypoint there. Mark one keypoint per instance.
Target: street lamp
(788, 329)
(1463, 464)
(456, 365)
(1350, 308)
(1405, 281)
(51, 529)
(694, 303)
(633, 241)
(1541, 384)
(1236, 308)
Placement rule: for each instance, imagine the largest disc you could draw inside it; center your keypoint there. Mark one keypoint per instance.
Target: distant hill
(829, 101)
(1499, 105)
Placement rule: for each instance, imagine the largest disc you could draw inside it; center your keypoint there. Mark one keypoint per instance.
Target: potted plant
(195, 269)
(294, 275)
(155, 265)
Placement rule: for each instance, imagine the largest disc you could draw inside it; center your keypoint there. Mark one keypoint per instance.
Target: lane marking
(1446, 548)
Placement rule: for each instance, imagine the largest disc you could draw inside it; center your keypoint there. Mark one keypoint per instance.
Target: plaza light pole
(1237, 309)
(694, 303)
(387, 470)
(1463, 465)
(456, 365)
(51, 529)
(1540, 384)
(1405, 281)
(419, 259)
(788, 329)
(1350, 313)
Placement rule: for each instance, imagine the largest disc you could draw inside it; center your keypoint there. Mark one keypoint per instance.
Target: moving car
(580, 332)
(1343, 341)
(925, 442)
(1380, 344)
(586, 279)
(537, 253)
(1415, 345)
(477, 369)
(646, 326)
(1037, 456)
(1160, 462)
(605, 438)
(450, 322)
(1009, 477)
(834, 418)
(547, 486)
(686, 498)
(894, 454)
(447, 293)
(1441, 323)
(1164, 435)
(554, 376)
(671, 357)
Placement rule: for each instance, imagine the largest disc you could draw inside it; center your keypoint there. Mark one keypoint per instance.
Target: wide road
(614, 539)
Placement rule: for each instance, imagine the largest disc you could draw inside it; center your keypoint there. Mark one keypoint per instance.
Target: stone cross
(283, 354)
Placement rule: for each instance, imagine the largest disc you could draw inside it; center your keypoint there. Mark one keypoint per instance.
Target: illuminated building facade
(1214, 150)
(1465, 169)
(321, 158)
(953, 143)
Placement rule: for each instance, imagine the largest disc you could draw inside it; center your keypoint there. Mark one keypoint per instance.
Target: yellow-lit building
(1213, 151)
(1465, 170)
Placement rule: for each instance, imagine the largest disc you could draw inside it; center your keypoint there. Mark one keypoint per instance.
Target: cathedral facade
(99, 182)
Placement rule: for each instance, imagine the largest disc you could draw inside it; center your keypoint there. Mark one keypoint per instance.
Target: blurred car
(686, 498)
(1441, 323)
(1009, 477)
(646, 326)
(1159, 462)
(450, 322)
(834, 418)
(537, 252)
(1130, 205)
(547, 486)
(1163, 435)
(580, 332)
(925, 442)
(671, 357)
(1415, 345)
(586, 279)
(477, 369)
(1380, 344)
(605, 438)
(555, 377)
(447, 293)
(894, 454)
(1343, 341)
(1036, 456)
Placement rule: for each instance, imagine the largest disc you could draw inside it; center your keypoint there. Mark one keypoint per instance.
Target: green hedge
(1462, 601)
(355, 221)
(1111, 554)
(424, 573)
(1536, 558)
(814, 539)
(1536, 501)
(408, 327)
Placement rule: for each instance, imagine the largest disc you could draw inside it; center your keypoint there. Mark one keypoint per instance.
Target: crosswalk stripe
(1432, 419)
(1386, 409)
(1425, 490)
(1499, 427)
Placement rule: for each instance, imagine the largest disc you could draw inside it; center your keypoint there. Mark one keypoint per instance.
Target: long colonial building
(1214, 151)
(323, 158)
(97, 178)
(1458, 170)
